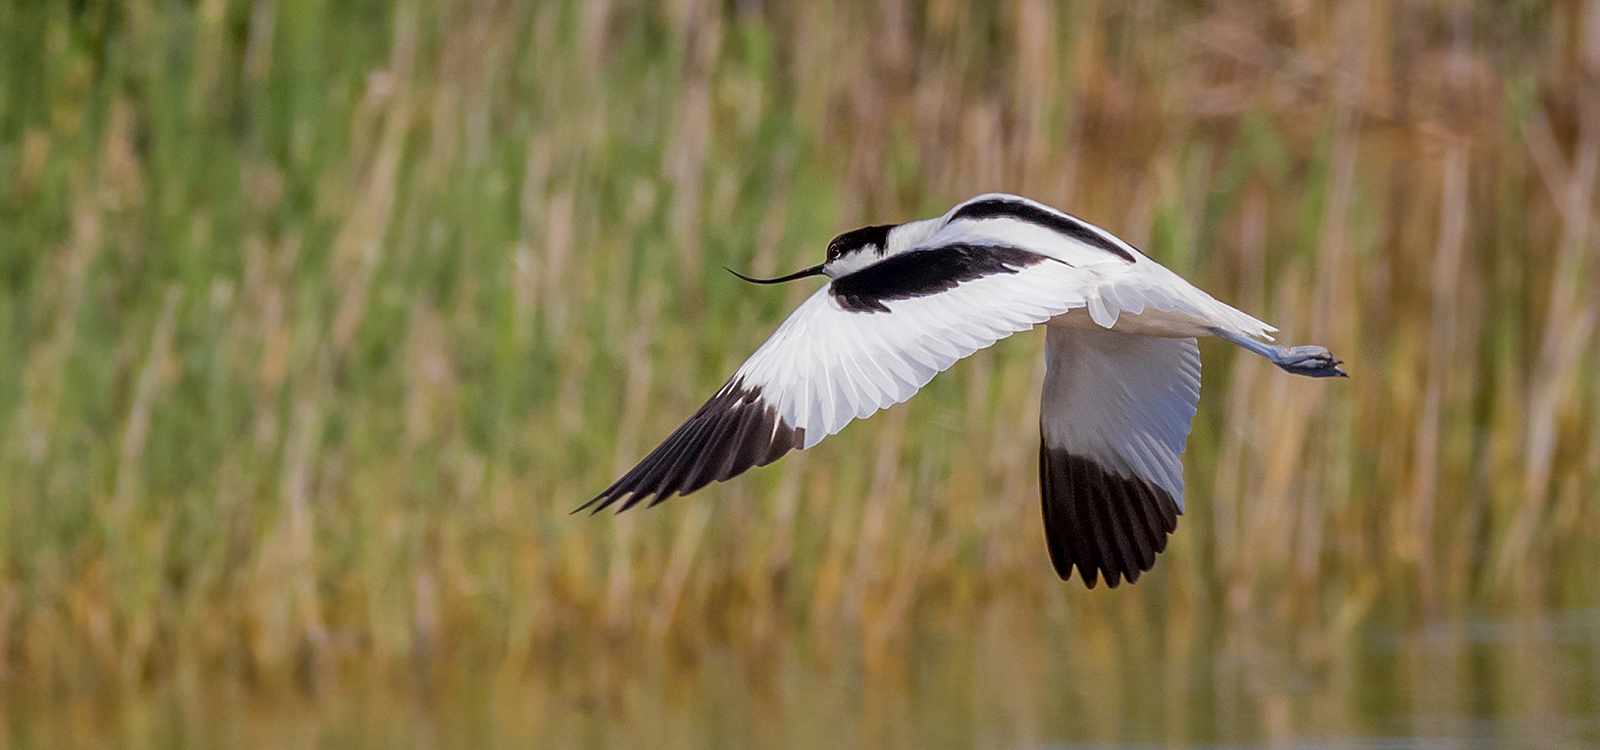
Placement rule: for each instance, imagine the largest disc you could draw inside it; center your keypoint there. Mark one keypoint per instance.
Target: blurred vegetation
(317, 318)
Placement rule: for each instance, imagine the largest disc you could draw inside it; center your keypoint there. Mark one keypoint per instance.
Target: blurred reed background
(318, 318)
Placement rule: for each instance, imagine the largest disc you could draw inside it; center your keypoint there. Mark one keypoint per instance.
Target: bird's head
(847, 253)
(857, 249)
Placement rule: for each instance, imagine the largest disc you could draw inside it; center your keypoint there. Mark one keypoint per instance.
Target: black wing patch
(919, 273)
(999, 208)
(1101, 522)
(734, 431)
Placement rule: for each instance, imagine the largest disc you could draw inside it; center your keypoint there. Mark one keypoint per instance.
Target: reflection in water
(1005, 678)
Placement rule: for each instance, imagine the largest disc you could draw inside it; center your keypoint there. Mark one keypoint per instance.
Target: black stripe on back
(732, 432)
(1099, 522)
(999, 208)
(919, 273)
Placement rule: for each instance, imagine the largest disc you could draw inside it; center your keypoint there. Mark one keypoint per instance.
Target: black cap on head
(876, 236)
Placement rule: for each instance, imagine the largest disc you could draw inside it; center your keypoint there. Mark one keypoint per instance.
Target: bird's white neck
(911, 234)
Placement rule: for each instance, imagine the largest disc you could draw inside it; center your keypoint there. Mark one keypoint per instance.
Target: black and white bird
(905, 301)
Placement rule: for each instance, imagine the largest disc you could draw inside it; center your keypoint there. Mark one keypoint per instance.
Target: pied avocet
(905, 301)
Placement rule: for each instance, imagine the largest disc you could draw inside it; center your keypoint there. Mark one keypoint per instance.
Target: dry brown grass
(317, 322)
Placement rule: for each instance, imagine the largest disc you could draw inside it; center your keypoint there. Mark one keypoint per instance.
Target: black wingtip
(605, 500)
(1107, 526)
(734, 431)
(586, 506)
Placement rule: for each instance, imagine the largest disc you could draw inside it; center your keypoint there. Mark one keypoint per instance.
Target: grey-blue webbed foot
(1311, 361)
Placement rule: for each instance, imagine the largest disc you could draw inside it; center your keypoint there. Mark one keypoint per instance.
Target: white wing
(849, 350)
(1114, 418)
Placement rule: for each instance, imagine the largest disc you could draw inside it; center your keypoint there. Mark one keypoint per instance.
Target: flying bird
(905, 301)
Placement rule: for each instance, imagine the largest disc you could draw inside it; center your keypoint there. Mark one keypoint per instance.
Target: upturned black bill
(812, 271)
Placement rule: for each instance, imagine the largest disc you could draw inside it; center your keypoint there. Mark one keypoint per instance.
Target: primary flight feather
(905, 301)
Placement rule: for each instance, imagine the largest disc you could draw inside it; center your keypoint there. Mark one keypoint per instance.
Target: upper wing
(1114, 418)
(860, 344)
(1001, 219)
(1126, 280)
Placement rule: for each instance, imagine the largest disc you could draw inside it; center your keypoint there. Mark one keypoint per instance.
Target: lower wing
(1113, 421)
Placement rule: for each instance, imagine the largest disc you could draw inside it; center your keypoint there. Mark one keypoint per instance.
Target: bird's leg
(1311, 361)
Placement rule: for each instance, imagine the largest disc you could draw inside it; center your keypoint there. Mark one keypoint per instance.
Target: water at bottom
(1002, 677)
